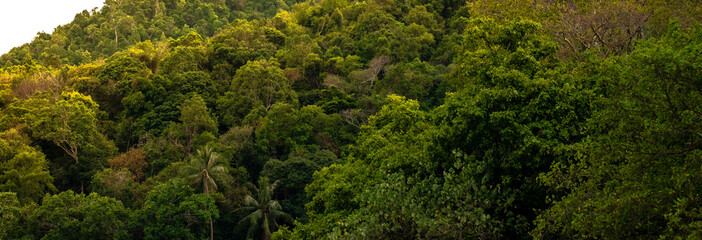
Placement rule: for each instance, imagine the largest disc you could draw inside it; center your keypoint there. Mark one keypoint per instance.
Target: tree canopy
(346, 119)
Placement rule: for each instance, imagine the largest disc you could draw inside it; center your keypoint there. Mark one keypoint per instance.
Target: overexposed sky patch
(21, 20)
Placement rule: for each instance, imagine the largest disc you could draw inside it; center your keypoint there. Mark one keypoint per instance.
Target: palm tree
(262, 212)
(206, 167)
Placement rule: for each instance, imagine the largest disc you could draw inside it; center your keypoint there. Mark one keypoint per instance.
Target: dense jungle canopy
(345, 119)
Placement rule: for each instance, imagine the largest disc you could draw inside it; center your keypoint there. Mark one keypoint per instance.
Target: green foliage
(117, 184)
(184, 58)
(414, 80)
(76, 216)
(507, 125)
(208, 168)
(263, 214)
(332, 99)
(196, 119)
(23, 169)
(514, 47)
(380, 119)
(235, 46)
(256, 84)
(100, 32)
(11, 216)
(121, 69)
(172, 211)
(335, 188)
(636, 177)
(69, 123)
(513, 120)
(285, 129)
(294, 174)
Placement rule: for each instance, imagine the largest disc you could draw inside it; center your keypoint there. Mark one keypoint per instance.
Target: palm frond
(197, 162)
(191, 174)
(250, 201)
(252, 188)
(268, 211)
(195, 179)
(187, 169)
(212, 158)
(219, 169)
(247, 210)
(274, 225)
(211, 182)
(274, 205)
(252, 220)
(274, 185)
(281, 216)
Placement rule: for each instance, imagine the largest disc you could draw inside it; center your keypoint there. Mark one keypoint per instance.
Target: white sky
(21, 20)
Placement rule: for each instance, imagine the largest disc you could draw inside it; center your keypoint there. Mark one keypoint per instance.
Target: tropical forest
(352, 119)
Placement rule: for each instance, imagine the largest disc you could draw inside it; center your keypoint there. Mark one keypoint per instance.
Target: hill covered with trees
(342, 119)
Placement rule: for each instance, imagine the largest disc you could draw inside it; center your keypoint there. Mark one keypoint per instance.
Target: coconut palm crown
(263, 213)
(206, 167)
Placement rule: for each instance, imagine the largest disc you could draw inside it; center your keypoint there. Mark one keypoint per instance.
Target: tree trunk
(204, 186)
(207, 191)
(266, 229)
(211, 230)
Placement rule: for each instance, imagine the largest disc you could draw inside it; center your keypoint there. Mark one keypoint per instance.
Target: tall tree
(23, 168)
(264, 213)
(638, 174)
(68, 215)
(133, 160)
(256, 84)
(70, 122)
(469, 168)
(172, 210)
(195, 118)
(11, 217)
(206, 167)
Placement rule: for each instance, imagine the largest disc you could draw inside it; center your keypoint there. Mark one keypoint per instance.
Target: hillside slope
(342, 119)
(99, 33)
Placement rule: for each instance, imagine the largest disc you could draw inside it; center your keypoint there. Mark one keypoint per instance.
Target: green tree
(264, 82)
(263, 214)
(294, 173)
(637, 175)
(392, 141)
(118, 76)
(114, 183)
(414, 80)
(70, 124)
(236, 45)
(183, 59)
(515, 115)
(468, 168)
(258, 83)
(12, 217)
(195, 118)
(76, 216)
(69, 121)
(23, 169)
(207, 167)
(172, 210)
